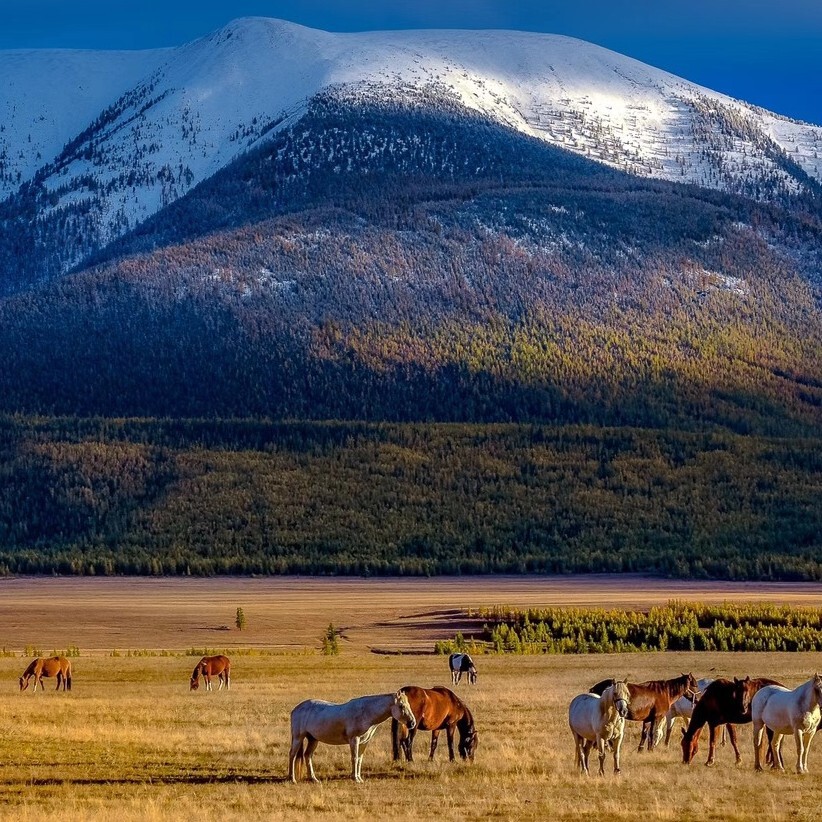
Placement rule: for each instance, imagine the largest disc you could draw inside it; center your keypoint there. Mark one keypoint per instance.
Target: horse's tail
(299, 760)
(67, 680)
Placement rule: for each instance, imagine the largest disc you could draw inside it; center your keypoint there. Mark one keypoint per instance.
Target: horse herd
(596, 718)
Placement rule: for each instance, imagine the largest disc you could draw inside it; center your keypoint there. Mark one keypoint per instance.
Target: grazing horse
(784, 711)
(209, 666)
(462, 664)
(723, 703)
(57, 666)
(352, 723)
(436, 709)
(650, 701)
(599, 720)
(683, 708)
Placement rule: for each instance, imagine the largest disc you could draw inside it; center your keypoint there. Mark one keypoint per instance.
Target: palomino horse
(462, 664)
(353, 723)
(435, 709)
(650, 701)
(722, 704)
(599, 720)
(209, 666)
(794, 712)
(57, 666)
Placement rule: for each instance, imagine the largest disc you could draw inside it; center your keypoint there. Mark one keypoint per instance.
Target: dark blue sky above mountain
(762, 51)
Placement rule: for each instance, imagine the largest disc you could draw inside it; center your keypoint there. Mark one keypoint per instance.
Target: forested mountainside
(209, 497)
(419, 266)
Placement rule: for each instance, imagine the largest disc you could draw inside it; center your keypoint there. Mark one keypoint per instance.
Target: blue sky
(768, 52)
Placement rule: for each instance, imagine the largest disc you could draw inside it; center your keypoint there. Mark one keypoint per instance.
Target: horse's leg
(586, 752)
(732, 736)
(722, 739)
(713, 731)
(669, 726)
(617, 745)
(449, 735)
(601, 752)
(408, 743)
(776, 745)
(354, 743)
(435, 738)
(310, 747)
(220, 680)
(800, 748)
(643, 735)
(811, 735)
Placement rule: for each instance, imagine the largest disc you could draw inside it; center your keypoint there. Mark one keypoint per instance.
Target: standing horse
(651, 701)
(209, 666)
(352, 723)
(794, 712)
(57, 666)
(436, 709)
(724, 703)
(462, 664)
(599, 720)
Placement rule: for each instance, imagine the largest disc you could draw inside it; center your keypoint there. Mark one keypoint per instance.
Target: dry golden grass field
(131, 742)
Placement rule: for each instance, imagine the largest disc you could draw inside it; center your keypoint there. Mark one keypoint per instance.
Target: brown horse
(650, 701)
(435, 709)
(723, 703)
(209, 666)
(57, 666)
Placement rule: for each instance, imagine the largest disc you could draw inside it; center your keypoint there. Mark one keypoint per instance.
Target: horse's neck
(466, 722)
(676, 687)
(697, 721)
(376, 709)
(807, 697)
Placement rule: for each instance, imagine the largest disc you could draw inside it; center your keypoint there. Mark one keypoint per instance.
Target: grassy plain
(130, 741)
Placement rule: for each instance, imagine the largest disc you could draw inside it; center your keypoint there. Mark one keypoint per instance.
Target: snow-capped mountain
(116, 136)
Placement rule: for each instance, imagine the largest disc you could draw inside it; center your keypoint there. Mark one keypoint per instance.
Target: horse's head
(468, 744)
(401, 710)
(621, 697)
(691, 686)
(195, 680)
(690, 745)
(472, 675)
(817, 688)
(24, 683)
(742, 694)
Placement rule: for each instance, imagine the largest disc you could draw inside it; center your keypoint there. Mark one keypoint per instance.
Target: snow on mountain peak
(147, 126)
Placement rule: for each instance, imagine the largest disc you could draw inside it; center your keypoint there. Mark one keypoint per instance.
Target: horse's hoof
(710, 763)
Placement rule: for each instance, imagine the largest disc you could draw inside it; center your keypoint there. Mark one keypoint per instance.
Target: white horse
(462, 664)
(683, 708)
(351, 723)
(601, 721)
(784, 711)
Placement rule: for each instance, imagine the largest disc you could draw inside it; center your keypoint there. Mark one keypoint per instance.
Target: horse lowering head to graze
(797, 712)
(723, 703)
(209, 666)
(57, 666)
(650, 701)
(462, 664)
(599, 720)
(683, 708)
(435, 709)
(352, 723)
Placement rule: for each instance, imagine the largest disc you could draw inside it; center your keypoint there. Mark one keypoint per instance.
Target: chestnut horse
(57, 666)
(435, 709)
(723, 703)
(650, 701)
(209, 666)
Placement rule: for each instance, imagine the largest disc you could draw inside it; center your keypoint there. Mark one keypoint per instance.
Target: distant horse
(209, 666)
(651, 701)
(57, 666)
(795, 712)
(462, 664)
(723, 703)
(683, 708)
(599, 720)
(352, 723)
(435, 709)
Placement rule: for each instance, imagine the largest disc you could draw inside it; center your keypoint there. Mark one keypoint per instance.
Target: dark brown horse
(651, 700)
(209, 666)
(435, 709)
(57, 666)
(724, 702)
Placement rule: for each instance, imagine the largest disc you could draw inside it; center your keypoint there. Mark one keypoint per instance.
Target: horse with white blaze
(351, 723)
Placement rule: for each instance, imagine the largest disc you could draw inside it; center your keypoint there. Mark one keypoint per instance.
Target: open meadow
(131, 741)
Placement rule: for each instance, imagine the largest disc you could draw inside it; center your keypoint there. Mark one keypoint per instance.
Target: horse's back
(583, 714)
